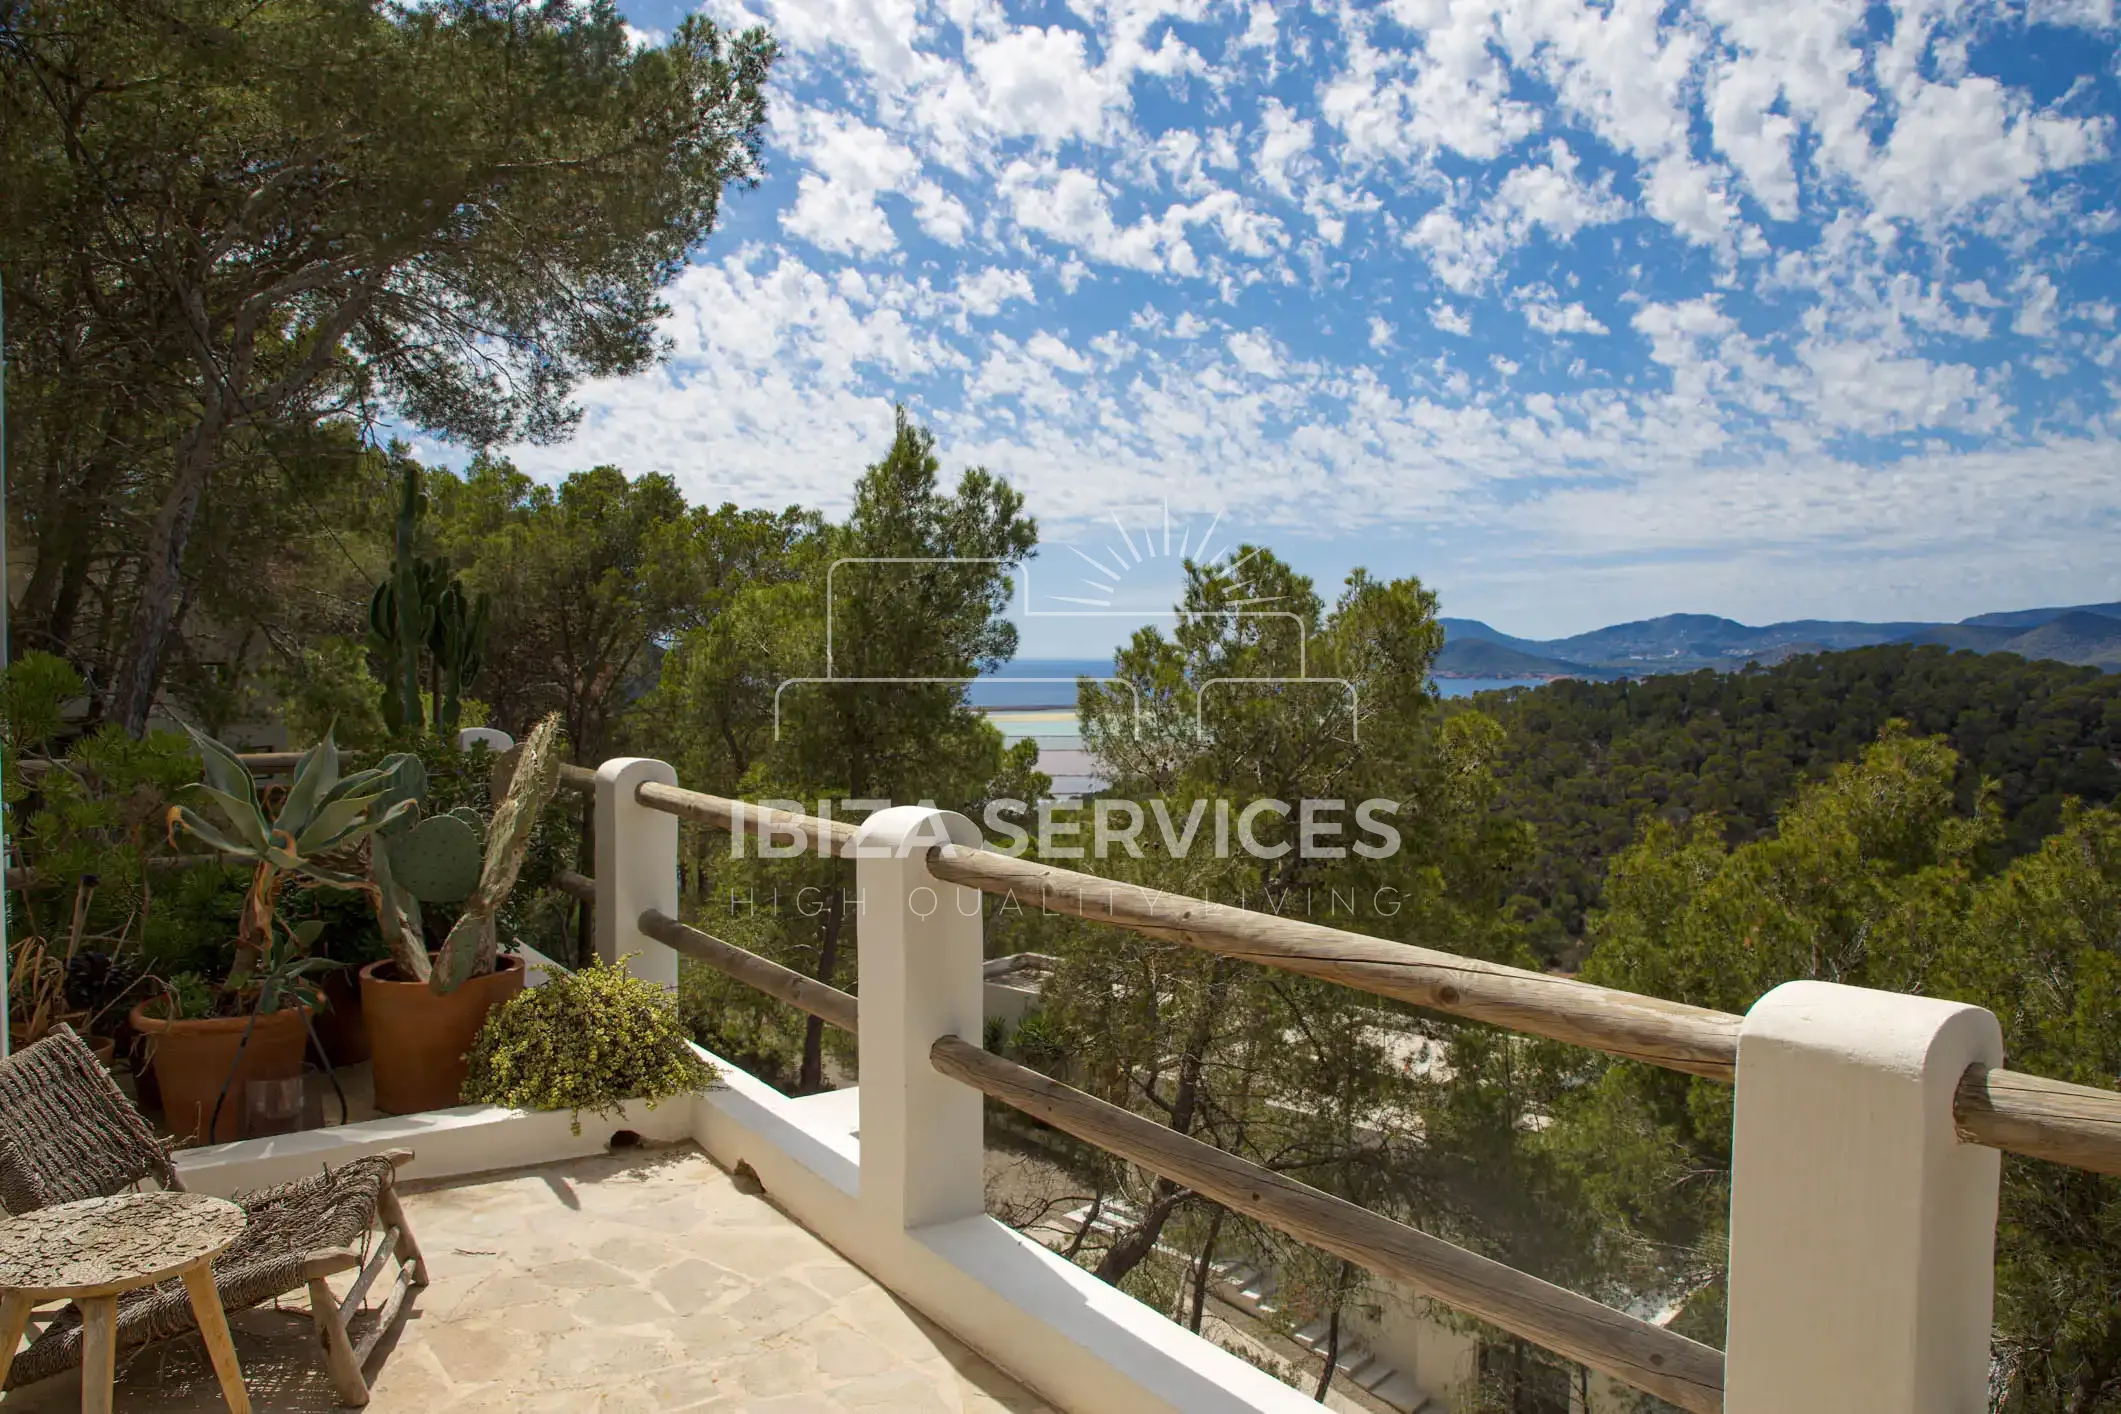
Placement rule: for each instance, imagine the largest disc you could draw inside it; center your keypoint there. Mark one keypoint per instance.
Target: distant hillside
(1455, 630)
(2089, 635)
(1587, 762)
(2033, 618)
(2078, 637)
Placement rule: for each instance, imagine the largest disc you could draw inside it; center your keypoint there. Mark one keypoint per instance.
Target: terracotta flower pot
(341, 1029)
(192, 1059)
(417, 1040)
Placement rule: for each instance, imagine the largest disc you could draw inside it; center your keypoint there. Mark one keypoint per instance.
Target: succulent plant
(322, 813)
(438, 860)
(399, 616)
(457, 642)
(419, 606)
(473, 942)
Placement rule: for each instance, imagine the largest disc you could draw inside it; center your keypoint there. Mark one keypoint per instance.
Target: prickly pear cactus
(437, 861)
(407, 780)
(399, 914)
(471, 817)
(472, 943)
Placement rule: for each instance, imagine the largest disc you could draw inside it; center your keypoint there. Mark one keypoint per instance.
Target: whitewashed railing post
(919, 944)
(1862, 1275)
(637, 866)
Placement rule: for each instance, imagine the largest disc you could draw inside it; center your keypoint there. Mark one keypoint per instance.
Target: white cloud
(1254, 352)
(2036, 317)
(1283, 139)
(1382, 331)
(1955, 145)
(1039, 83)
(836, 207)
(1452, 94)
(1449, 320)
(985, 291)
(1540, 197)
(1545, 313)
(940, 214)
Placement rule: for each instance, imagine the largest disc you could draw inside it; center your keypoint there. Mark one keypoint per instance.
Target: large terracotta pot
(191, 1061)
(340, 1027)
(417, 1040)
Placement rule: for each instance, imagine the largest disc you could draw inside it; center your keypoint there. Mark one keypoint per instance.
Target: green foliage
(588, 1040)
(421, 608)
(34, 692)
(321, 813)
(328, 689)
(401, 612)
(193, 923)
(409, 202)
(192, 997)
(1879, 877)
(765, 581)
(1215, 1048)
(90, 826)
(437, 860)
(1586, 763)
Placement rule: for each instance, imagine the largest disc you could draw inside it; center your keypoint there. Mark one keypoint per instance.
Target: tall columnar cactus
(457, 642)
(400, 614)
(420, 606)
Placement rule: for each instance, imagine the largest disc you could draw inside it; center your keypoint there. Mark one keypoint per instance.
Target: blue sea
(1466, 687)
(1037, 682)
(1050, 683)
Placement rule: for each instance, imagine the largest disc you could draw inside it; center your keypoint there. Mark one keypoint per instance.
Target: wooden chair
(68, 1132)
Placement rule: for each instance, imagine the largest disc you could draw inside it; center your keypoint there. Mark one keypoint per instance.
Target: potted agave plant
(254, 1025)
(425, 1009)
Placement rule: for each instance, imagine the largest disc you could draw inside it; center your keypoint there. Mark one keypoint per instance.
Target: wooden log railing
(2055, 1120)
(1649, 1357)
(831, 1005)
(1684, 1372)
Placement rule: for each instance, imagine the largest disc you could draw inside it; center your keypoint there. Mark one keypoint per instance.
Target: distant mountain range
(2088, 634)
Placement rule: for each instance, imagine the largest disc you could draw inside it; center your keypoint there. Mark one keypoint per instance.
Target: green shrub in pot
(588, 1040)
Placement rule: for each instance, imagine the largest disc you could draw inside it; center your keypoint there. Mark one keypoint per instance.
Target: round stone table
(94, 1250)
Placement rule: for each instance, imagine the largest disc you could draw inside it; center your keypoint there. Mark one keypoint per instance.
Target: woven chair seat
(284, 1225)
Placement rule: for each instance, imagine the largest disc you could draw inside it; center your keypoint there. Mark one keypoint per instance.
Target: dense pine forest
(1586, 763)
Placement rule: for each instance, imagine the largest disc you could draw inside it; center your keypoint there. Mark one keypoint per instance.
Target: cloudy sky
(1581, 312)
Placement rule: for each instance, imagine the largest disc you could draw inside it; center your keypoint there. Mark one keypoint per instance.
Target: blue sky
(1578, 312)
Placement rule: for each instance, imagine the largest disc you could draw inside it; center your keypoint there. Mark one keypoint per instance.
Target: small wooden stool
(96, 1249)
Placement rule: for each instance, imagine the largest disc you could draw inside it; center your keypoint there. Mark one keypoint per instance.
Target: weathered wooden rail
(2077, 1125)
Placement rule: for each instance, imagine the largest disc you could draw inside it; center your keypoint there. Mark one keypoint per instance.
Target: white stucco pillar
(919, 943)
(637, 866)
(1863, 1230)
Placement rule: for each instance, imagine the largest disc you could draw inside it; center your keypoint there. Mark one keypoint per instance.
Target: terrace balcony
(641, 1279)
(743, 1249)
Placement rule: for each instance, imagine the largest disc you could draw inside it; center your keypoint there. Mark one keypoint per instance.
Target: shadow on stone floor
(642, 1279)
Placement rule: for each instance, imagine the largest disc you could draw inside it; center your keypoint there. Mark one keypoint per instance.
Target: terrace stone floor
(646, 1279)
